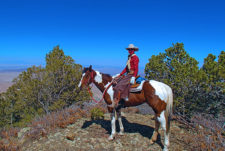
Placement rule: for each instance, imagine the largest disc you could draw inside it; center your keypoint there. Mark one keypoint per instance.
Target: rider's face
(131, 51)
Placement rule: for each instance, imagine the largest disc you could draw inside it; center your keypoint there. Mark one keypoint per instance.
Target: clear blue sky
(98, 31)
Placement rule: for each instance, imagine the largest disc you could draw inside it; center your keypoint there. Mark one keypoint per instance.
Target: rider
(122, 87)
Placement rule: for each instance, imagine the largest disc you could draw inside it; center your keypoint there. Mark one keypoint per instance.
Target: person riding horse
(157, 95)
(122, 85)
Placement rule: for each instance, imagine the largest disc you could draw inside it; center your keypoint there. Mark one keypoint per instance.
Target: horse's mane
(85, 70)
(107, 75)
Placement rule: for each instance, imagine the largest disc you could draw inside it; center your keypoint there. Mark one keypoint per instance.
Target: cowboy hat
(131, 46)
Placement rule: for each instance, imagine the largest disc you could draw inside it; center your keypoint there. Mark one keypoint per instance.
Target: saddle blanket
(139, 88)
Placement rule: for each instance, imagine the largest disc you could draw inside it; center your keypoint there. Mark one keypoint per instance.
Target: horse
(157, 95)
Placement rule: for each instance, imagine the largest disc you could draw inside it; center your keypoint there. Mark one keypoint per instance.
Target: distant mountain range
(9, 72)
(112, 70)
(13, 68)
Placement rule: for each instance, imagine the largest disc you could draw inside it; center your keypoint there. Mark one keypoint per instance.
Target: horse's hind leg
(163, 119)
(113, 125)
(156, 131)
(120, 122)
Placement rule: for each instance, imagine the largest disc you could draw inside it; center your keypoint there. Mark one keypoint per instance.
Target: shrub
(97, 113)
(208, 133)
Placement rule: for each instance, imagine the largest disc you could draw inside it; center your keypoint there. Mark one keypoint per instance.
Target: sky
(96, 32)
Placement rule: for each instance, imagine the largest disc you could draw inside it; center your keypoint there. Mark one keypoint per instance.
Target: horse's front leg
(120, 122)
(113, 125)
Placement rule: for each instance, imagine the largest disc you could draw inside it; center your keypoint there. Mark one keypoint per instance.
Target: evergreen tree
(212, 91)
(5, 114)
(195, 90)
(42, 90)
(177, 69)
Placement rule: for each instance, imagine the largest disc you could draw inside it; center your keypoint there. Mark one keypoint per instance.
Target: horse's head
(87, 77)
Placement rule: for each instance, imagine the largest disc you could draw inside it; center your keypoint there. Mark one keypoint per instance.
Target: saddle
(137, 86)
(137, 82)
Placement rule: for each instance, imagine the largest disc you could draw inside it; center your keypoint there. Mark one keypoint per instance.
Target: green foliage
(156, 68)
(42, 90)
(4, 111)
(212, 90)
(97, 113)
(177, 69)
(195, 90)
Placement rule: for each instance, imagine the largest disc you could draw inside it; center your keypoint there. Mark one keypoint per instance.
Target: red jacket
(134, 60)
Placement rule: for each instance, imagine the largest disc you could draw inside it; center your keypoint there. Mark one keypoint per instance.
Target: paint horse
(156, 94)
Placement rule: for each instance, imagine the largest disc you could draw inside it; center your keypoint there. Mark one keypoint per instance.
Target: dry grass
(41, 127)
(8, 140)
(208, 134)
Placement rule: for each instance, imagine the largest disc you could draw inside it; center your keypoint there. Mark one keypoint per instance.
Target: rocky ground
(86, 134)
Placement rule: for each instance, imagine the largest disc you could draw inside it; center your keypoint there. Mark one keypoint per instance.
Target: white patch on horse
(110, 91)
(166, 139)
(115, 75)
(81, 79)
(162, 120)
(98, 77)
(139, 88)
(113, 126)
(160, 89)
(113, 123)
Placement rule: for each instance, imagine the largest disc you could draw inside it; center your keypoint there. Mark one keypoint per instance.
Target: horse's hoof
(121, 133)
(110, 138)
(151, 142)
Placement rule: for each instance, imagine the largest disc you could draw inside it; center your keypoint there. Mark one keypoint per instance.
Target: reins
(92, 77)
(102, 94)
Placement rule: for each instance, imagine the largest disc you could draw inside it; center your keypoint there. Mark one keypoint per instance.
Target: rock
(23, 131)
(70, 136)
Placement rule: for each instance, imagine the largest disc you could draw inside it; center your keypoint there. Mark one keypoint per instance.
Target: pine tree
(40, 90)
(177, 69)
(212, 90)
(195, 90)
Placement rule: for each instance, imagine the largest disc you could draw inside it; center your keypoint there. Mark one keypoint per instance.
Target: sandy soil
(6, 80)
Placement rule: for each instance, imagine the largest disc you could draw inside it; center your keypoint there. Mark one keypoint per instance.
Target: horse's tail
(169, 107)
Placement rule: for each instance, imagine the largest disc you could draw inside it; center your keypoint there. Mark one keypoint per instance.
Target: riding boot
(117, 100)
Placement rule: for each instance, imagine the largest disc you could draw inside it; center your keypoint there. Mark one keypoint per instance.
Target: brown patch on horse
(110, 109)
(108, 101)
(167, 123)
(135, 99)
(153, 100)
(106, 78)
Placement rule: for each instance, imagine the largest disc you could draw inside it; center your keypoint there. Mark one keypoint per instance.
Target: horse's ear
(90, 68)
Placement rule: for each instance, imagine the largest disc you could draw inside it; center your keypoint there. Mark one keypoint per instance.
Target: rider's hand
(117, 77)
(132, 80)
